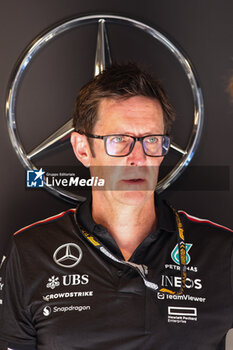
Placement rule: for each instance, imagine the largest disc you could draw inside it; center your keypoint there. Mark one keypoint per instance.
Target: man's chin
(135, 198)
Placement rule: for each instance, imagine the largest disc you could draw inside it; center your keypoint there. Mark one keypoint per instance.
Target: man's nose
(137, 156)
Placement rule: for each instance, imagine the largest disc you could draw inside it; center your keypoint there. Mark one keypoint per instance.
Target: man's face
(133, 178)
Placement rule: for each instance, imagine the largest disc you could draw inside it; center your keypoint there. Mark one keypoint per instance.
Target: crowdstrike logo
(68, 295)
(68, 255)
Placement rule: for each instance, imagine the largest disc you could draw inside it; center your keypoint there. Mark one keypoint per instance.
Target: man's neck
(128, 225)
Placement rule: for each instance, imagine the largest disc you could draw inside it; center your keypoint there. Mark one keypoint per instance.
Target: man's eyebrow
(132, 134)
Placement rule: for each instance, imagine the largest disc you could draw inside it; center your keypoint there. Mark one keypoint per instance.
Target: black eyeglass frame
(104, 137)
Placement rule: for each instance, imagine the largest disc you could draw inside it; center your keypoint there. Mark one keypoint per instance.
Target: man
(115, 274)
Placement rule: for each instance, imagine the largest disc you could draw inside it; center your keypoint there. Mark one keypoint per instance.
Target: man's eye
(118, 139)
(153, 139)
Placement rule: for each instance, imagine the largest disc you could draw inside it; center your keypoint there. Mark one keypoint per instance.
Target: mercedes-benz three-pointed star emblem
(68, 255)
(102, 59)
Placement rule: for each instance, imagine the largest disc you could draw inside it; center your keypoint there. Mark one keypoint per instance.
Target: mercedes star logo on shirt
(68, 255)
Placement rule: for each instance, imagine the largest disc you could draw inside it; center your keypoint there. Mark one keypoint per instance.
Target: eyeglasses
(118, 145)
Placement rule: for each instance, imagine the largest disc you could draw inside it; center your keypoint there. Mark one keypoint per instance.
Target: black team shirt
(58, 292)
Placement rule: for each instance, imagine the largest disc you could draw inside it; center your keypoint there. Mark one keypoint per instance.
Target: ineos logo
(68, 255)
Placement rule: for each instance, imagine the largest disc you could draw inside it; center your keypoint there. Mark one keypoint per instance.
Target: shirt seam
(23, 301)
(15, 342)
(231, 277)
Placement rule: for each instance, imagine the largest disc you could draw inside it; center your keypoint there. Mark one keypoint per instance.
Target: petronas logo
(175, 254)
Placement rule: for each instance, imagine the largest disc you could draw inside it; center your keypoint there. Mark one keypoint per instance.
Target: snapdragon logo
(47, 311)
(78, 308)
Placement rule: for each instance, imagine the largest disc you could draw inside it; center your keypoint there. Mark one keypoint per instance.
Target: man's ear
(81, 148)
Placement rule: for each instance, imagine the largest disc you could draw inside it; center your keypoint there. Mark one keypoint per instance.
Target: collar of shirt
(166, 222)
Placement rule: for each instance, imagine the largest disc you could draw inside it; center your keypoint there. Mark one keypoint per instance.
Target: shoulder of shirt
(45, 221)
(206, 222)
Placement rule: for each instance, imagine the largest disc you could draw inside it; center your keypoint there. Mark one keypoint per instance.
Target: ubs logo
(68, 255)
(67, 280)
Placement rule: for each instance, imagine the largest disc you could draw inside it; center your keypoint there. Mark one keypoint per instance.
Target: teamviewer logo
(35, 178)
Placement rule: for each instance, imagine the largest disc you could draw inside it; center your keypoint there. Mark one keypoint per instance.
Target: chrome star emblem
(68, 255)
(102, 59)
